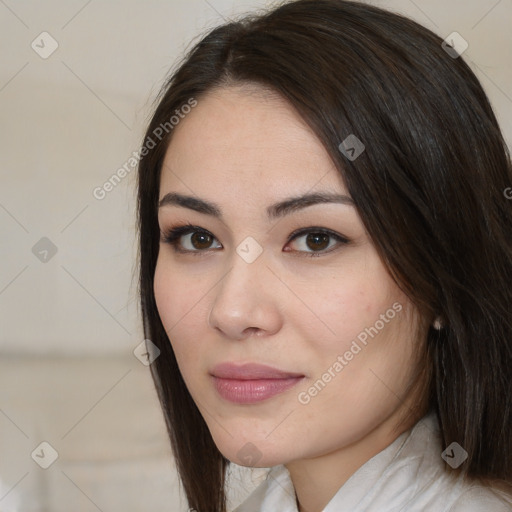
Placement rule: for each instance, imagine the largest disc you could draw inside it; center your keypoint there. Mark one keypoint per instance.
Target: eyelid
(172, 235)
(317, 229)
(340, 239)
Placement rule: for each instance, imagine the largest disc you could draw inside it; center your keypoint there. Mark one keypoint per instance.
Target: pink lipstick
(251, 383)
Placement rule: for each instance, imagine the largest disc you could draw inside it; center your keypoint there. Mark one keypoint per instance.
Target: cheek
(354, 300)
(166, 286)
(181, 306)
(175, 292)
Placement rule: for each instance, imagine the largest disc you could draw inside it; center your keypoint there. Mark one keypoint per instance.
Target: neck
(318, 479)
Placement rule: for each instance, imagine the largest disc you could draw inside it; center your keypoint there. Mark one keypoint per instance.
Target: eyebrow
(274, 211)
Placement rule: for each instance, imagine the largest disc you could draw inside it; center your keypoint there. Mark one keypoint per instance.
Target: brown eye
(201, 240)
(190, 239)
(317, 241)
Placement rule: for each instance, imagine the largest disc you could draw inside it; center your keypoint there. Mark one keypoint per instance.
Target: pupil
(319, 240)
(201, 240)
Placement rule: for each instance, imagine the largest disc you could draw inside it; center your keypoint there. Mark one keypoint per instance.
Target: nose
(245, 302)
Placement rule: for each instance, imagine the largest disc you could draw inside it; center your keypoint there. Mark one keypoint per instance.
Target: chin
(252, 454)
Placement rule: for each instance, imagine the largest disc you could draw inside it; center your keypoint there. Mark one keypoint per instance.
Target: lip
(251, 383)
(251, 371)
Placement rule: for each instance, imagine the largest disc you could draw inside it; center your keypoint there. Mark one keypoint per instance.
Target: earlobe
(438, 323)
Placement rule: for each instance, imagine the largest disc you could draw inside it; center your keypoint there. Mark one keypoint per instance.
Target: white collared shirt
(407, 476)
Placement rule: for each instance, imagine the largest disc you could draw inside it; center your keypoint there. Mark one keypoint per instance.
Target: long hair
(429, 188)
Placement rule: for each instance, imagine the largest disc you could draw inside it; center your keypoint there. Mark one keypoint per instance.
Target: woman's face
(240, 289)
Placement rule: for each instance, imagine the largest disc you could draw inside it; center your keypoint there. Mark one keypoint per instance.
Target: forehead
(246, 138)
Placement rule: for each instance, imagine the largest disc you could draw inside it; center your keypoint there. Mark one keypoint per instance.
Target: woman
(325, 254)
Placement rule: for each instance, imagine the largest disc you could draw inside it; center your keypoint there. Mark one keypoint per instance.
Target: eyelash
(172, 236)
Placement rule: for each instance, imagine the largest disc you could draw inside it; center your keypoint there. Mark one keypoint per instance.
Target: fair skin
(244, 150)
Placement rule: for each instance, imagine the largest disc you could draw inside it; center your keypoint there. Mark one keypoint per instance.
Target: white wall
(70, 121)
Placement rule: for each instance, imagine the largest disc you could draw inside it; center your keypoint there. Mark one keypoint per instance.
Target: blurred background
(80, 425)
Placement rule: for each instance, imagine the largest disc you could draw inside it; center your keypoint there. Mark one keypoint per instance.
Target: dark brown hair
(428, 188)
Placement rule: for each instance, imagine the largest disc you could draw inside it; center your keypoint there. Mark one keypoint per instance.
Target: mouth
(251, 383)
